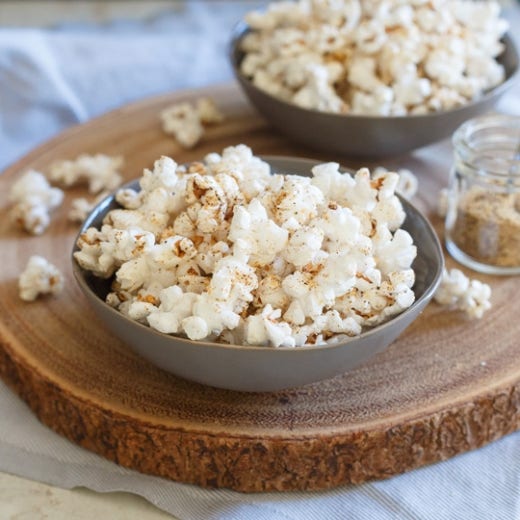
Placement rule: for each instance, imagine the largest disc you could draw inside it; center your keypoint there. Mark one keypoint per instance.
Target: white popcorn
(175, 306)
(80, 207)
(102, 252)
(32, 200)
(317, 93)
(377, 102)
(457, 292)
(370, 36)
(195, 327)
(362, 74)
(375, 57)
(39, 277)
(407, 185)
(100, 172)
(185, 121)
(304, 246)
(264, 237)
(208, 111)
(266, 328)
(393, 253)
(224, 250)
(182, 120)
(129, 198)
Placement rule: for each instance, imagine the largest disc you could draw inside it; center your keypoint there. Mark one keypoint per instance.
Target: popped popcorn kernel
(80, 207)
(40, 277)
(407, 185)
(32, 199)
(185, 121)
(226, 250)
(100, 172)
(458, 292)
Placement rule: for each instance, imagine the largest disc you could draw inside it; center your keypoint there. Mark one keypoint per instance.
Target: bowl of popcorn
(257, 274)
(373, 79)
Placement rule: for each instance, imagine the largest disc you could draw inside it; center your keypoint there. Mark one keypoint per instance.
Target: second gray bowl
(365, 136)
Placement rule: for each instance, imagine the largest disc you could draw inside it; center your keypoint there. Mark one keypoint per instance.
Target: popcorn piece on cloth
(39, 277)
(458, 292)
(377, 57)
(100, 172)
(33, 198)
(226, 250)
(185, 121)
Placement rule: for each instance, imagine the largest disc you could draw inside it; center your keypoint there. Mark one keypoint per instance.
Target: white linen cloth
(50, 79)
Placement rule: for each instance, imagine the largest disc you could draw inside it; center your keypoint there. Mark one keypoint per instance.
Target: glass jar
(483, 214)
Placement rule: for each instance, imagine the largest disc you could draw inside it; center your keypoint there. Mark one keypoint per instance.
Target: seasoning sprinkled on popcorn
(33, 198)
(226, 250)
(39, 277)
(378, 57)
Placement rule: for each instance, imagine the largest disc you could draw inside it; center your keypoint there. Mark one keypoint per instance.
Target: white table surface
(23, 499)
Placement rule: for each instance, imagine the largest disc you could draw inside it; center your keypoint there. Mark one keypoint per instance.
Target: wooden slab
(446, 386)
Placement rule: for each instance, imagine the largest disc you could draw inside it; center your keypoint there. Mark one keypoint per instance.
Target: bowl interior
(365, 136)
(427, 265)
(509, 59)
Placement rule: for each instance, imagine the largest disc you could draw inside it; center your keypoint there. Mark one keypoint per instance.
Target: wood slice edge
(214, 461)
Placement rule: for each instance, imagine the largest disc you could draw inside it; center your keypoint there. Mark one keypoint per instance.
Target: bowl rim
(242, 27)
(81, 275)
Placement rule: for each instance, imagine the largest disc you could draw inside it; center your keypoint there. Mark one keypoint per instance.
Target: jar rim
(468, 148)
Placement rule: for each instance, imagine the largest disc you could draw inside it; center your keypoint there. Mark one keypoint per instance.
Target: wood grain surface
(446, 386)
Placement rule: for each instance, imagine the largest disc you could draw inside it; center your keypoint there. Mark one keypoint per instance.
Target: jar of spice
(483, 217)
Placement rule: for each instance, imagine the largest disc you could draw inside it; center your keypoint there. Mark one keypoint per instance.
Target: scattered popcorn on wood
(80, 207)
(457, 292)
(227, 250)
(39, 277)
(185, 121)
(100, 172)
(380, 57)
(208, 111)
(407, 185)
(33, 198)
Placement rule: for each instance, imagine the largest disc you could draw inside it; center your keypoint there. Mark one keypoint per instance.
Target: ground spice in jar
(487, 226)
(483, 202)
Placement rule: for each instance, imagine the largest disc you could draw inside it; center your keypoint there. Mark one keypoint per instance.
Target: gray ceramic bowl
(365, 136)
(259, 369)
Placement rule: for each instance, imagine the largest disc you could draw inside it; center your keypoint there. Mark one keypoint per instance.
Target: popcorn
(33, 198)
(39, 277)
(226, 251)
(407, 185)
(81, 207)
(458, 292)
(266, 328)
(100, 172)
(208, 111)
(185, 121)
(378, 57)
(182, 120)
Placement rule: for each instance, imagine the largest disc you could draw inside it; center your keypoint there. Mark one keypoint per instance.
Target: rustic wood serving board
(445, 387)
